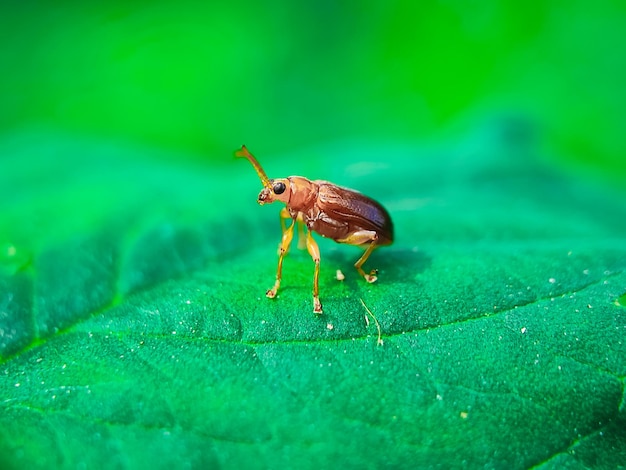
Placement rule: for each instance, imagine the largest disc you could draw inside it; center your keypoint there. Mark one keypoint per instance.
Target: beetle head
(279, 190)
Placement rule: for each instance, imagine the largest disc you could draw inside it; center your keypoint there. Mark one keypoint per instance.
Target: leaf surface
(134, 330)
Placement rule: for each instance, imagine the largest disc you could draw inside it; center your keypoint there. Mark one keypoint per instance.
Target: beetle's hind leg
(371, 277)
(364, 237)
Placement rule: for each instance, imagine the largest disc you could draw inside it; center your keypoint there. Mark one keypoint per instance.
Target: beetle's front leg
(314, 251)
(284, 215)
(284, 247)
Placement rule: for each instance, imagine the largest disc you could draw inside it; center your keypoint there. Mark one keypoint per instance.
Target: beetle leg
(314, 251)
(301, 235)
(361, 238)
(284, 215)
(371, 277)
(284, 247)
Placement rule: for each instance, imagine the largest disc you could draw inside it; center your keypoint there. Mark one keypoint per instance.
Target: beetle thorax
(303, 193)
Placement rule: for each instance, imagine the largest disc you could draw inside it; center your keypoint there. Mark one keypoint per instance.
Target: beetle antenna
(243, 152)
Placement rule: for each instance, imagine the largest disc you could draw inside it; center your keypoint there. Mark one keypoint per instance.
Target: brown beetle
(341, 214)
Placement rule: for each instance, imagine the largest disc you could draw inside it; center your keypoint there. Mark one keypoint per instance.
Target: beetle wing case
(358, 210)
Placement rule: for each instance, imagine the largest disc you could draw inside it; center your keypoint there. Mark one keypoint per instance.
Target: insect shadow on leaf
(396, 264)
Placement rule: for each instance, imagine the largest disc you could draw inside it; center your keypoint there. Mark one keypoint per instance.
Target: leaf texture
(134, 330)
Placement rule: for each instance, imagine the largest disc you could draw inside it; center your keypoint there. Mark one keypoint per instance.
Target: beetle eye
(279, 188)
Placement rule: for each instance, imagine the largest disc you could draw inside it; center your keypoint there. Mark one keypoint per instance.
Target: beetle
(335, 212)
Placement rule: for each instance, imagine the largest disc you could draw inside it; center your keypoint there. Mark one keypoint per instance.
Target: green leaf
(134, 330)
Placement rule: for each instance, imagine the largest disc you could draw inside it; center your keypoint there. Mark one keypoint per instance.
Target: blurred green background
(201, 78)
(125, 218)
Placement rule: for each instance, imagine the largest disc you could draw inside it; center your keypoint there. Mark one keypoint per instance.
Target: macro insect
(341, 214)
